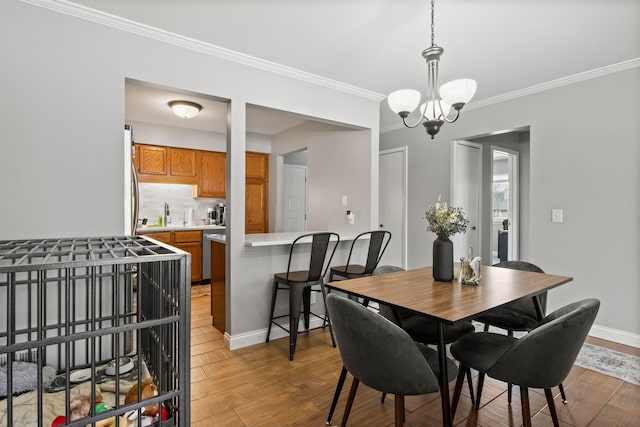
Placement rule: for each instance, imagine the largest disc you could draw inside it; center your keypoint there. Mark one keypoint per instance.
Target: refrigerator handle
(135, 204)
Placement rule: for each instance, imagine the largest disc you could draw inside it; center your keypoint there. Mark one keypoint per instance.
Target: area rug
(609, 362)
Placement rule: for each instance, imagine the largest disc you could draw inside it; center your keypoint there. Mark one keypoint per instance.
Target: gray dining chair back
(525, 305)
(381, 355)
(378, 352)
(543, 357)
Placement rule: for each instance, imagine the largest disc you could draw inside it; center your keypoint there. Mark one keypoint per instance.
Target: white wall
(62, 157)
(583, 161)
(171, 136)
(338, 163)
(63, 113)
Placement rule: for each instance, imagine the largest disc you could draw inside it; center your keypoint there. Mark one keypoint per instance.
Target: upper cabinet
(165, 164)
(211, 175)
(257, 166)
(257, 193)
(182, 162)
(151, 160)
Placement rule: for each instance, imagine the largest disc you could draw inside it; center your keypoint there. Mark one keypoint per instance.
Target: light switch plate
(556, 215)
(344, 200)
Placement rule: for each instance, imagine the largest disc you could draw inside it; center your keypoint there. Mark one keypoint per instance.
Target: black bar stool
(300, 283)
(378, 241)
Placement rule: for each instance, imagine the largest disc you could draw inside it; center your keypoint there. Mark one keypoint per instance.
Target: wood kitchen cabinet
(165, 164)
(182, 163)
(211, 175)
(189, 241)
(257, 193)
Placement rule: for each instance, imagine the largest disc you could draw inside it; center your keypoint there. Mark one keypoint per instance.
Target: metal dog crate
(79, 303)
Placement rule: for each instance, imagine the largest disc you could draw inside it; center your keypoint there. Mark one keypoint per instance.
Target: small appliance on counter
(211, 216)
(221, 214)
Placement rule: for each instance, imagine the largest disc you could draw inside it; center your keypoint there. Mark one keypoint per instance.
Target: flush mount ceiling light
(439, 102)
(185, 109)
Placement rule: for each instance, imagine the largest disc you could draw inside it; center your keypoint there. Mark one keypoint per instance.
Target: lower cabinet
(218, 304)
(189, 241)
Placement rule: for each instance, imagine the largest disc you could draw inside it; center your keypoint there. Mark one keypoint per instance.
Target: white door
(392, 209)
(466, 188)
(295, 198)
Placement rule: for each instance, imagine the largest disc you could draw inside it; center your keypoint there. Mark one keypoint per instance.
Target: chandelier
(441, 105)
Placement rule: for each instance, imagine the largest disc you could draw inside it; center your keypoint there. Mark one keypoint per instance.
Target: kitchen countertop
(277, 239)
(180, 228)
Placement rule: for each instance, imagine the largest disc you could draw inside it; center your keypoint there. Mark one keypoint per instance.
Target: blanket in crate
(54, 404)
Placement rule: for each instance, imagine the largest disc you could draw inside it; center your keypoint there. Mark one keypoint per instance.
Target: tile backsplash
(180, 198)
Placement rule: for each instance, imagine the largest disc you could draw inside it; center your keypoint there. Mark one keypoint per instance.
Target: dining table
(450, 302)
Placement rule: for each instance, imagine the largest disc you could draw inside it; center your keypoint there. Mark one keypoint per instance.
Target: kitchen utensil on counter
(188, 216)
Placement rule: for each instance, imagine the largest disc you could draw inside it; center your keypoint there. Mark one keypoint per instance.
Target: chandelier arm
(448, 120)
(404, 120)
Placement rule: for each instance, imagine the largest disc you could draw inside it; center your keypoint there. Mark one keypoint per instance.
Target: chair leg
(336, 395)
(473, 401)
(509, 392)
(462, 370)
(306, 305)
(399, 410)
(383, 397)
(326, 315)
(295, 301)
(564, 396)
(352, 395)
(526, 410)
(273, 306)
(552, 407)
(480, 384)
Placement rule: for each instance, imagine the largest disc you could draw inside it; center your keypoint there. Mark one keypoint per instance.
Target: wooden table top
(450, 301)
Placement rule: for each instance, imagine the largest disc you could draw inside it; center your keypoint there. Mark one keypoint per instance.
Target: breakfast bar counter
(240, 304)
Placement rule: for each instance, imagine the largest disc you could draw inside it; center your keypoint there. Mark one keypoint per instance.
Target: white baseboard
(234, 342)
(615, 335)
(257, 337)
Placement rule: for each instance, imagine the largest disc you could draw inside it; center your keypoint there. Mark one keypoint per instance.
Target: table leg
(538, 305)
(444, 376)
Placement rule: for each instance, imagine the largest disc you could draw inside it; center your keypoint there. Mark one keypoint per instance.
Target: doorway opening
(503, 188)
(504, 205)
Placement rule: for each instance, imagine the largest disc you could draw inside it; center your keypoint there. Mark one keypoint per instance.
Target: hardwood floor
(259, 386)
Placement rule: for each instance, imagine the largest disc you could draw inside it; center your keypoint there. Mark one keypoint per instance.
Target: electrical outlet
(556, 215)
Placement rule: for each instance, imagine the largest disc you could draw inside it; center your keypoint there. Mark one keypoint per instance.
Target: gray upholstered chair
(540, 359)
(381, 355)
(519, 315)
(378, 241)
(420, 328)
(300, 284)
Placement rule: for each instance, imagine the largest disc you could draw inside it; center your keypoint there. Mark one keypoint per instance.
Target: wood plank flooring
(259, 386)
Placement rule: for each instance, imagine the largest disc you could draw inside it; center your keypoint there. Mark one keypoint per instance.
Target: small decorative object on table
(444, 221)
(470, 271)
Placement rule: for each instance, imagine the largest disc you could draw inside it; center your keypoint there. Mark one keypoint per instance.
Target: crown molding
(134, 27)
(564, 81)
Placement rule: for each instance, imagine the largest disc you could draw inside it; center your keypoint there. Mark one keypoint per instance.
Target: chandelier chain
(432, 23)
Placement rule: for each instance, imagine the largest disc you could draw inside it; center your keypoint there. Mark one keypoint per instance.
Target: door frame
(453, 182)
(514, 200)
(405, 202)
